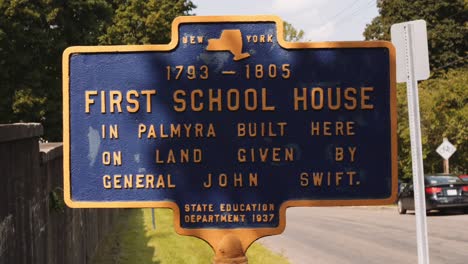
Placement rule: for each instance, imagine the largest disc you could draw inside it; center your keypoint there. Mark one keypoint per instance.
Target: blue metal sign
(229, 124)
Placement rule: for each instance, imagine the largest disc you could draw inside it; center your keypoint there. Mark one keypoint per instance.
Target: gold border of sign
(211, 235)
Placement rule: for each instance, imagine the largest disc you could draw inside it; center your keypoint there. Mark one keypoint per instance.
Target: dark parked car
(442, 191)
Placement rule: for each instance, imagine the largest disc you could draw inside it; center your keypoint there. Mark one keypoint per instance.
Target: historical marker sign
(229, 125)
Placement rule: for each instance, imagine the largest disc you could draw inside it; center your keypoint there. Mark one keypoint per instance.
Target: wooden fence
(35, 225)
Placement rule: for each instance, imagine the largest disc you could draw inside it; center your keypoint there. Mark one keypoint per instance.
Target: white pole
(416, 151)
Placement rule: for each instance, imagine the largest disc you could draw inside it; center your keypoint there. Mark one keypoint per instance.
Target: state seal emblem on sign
(230, 40)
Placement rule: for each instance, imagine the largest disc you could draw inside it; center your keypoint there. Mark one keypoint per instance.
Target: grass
(136, 242)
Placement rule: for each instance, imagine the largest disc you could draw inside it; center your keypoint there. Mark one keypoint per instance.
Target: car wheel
(401, 209)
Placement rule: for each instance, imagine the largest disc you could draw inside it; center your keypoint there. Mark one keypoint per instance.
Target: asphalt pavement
(329, 235)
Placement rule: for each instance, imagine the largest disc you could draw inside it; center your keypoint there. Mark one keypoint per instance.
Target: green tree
(33, 35)
(144, 22)
(444, 113)
(446, 26)
(443, 98)
(292, 34)
(444, 102)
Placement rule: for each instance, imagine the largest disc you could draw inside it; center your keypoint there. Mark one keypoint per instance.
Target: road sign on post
(229, 125)
(410, 40)
(446, 150)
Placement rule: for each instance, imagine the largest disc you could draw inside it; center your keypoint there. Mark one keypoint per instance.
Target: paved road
(368, 235)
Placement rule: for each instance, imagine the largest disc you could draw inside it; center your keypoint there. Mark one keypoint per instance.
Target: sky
(321, 20)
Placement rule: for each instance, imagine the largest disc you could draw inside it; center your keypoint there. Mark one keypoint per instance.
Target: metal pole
(229, 251)
(153, 218)
(416, 152)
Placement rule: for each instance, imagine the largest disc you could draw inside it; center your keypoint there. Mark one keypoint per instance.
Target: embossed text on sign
(229, 124)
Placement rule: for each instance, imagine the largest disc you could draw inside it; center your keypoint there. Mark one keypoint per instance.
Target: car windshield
(443, 179)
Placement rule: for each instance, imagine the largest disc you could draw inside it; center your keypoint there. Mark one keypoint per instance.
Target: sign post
(446, 150)
(410, 40)
(229, 125)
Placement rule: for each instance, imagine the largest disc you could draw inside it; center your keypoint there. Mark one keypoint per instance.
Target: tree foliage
(292, 34)
(444, 114)
(444, 102)
(144, 22)
(446, 26)
(444, 97)
(33, 35)
(32, 39)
